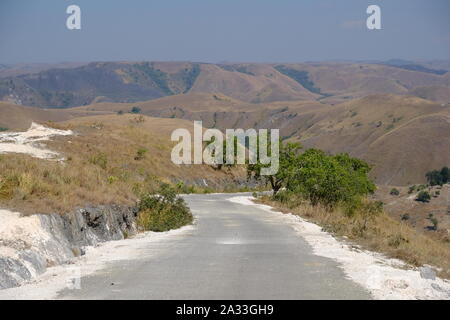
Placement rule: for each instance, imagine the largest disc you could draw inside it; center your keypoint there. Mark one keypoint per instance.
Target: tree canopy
(319, 177)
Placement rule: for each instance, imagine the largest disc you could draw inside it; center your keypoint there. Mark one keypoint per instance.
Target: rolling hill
(69, 85)
(402, 136)
(394, 114)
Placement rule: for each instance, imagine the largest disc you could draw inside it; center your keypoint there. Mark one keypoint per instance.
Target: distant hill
(410, 65)
(435, 93)
(69, 85)
(402, 136)
(396, 118)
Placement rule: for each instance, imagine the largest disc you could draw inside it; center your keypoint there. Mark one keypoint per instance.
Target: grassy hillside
(120, 82)
(439, 94)
(76, 85)
(110, 160)
(402, 136)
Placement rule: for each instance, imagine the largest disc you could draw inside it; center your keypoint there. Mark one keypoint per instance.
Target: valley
(121, 114)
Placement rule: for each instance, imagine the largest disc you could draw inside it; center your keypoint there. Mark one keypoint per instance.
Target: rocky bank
(31, 244)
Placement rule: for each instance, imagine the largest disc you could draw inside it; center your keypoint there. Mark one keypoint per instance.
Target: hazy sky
(223, 30)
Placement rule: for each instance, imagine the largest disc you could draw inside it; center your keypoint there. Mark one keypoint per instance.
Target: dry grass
(105, 164)
(379, 233)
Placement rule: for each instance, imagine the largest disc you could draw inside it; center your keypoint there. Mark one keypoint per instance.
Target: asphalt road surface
(234, 252)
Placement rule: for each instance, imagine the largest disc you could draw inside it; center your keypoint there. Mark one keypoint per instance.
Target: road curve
(234, 252)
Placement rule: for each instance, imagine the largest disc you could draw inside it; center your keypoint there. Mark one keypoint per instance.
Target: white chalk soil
(384, 278)
(30, 141)
(17, 229)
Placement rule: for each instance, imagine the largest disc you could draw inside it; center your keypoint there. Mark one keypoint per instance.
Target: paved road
(234, 252)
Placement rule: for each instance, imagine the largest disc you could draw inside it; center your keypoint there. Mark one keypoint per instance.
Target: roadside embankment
(31, 244)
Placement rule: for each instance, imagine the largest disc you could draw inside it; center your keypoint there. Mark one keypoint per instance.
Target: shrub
(288, 198)
(423, 196)
(138, 120)
(120, 112)
(163, 210)
(112, 179)
(100, 160)
(3, 129)
(7, 186)
(435, 223)
(394, 192)
(136, 110)
(140, 154)
(421, 187)
(397, 240)
(181, 187)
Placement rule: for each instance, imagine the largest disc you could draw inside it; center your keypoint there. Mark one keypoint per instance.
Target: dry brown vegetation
(111, 160)
(379, 233)
(17, 117)
(419, 215)
(403, 137)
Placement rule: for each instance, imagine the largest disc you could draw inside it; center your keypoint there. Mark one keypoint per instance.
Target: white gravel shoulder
(384, 278)
(47, 285)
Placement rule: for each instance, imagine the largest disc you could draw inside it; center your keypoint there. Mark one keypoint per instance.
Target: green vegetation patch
(163, 210)
(438, 177)
(189, 76)
(423, 196)
(328, 180)
(159, 78)
(301, 77)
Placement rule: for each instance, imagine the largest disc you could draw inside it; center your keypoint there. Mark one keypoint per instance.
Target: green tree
(288, 158)
(438, 177)
(330, 180)
(445, 174)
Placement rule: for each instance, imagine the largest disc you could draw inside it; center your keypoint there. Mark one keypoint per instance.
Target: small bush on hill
(140, 154)
(423, 196)
(394, 192)
(181, 187)
(163, 210)
(435, 223)
(136, 110)
(100, 160)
